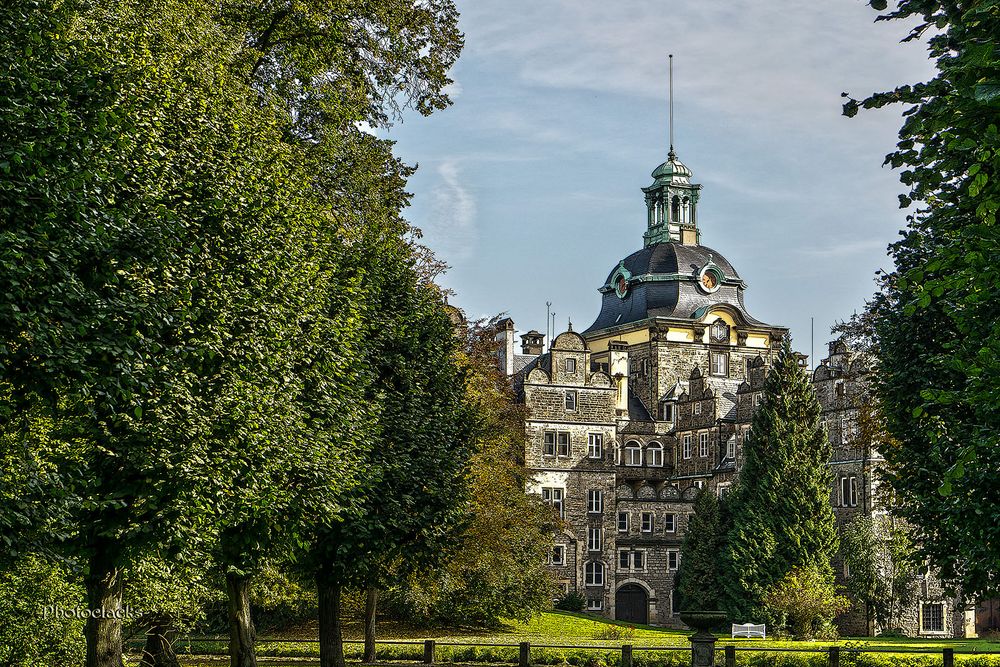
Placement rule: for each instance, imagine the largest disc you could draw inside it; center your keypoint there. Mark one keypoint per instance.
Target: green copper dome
(672, 168)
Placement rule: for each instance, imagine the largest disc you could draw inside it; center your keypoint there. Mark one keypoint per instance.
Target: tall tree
(497, 570)
(937, 317)
(700, 574)
(781, 514)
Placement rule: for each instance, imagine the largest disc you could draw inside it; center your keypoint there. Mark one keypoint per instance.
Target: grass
(567, 628)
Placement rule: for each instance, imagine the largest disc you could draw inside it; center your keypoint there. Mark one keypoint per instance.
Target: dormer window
(720, 332)
(667, 412)
(571, 365)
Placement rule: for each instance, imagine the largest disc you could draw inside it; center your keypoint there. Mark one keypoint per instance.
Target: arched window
(685, 210)
(594, 574)
(675, 209)
(633, 453)
(654, 454)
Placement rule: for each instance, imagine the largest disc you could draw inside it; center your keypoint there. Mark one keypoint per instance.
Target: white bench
(749, 630)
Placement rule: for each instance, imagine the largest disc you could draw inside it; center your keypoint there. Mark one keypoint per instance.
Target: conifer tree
(781, 513)
(700, 585)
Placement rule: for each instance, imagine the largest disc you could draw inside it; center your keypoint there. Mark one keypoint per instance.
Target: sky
(528, 186)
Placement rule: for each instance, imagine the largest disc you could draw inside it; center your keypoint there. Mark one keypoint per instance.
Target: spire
(671, 155)
(672, 199)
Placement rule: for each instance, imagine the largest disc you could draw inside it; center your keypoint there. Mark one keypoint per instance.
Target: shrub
(609, 631)
(572, 601)
(805, 601)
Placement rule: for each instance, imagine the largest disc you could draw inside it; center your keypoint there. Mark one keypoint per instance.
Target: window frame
(716, 357)
(593, 574)
(702, 445)
(686, 446)
(549, 443)
(628, 521)
(595, 443)
(569, 364)
(595, 604)
(558, 549)
(595, 538)
(571, 398)
(633, 447)
(922, 624)
(849, 491)
(673, 556)
(643, 523)
(654, 450)
(697, 408)
(564, 443)
(670, 522)
(595, 499)
(553, 501)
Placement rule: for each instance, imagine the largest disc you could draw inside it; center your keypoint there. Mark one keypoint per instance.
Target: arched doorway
(632, 604)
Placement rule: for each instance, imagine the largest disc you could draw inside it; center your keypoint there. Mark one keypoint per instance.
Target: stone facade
(629, 419)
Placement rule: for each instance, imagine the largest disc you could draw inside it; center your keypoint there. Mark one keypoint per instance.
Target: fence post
(428, 651)
(626, 655)
(834, 656)
(730, 656)
(524, 657)
(949, 657)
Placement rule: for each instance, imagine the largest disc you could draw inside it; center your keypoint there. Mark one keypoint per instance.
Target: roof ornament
(671, 156)
(569, 324)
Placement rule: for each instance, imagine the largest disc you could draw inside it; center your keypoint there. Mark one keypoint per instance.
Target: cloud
(451, 226)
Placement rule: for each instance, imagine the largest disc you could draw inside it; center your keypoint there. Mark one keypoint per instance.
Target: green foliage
(572, 601)
(781, 514)
(937, 318)
(32, 590)
(700, 577)
(497, 570)
(806, 601)
(879, 557)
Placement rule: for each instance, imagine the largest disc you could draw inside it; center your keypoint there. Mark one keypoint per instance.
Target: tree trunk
(103, 630)
(331, 640)
(370, 606)
(241, 631)
(159, 649)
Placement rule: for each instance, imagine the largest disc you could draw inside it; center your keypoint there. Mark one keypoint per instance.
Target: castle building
(630, 418)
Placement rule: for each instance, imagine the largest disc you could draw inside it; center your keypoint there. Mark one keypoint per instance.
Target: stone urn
(703, 641)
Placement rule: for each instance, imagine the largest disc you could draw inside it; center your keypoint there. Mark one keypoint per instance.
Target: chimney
(505, 338)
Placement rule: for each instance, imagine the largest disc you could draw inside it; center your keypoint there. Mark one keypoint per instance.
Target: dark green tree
(700, 586)
(497, 571)
(781, 513)
(937, 317)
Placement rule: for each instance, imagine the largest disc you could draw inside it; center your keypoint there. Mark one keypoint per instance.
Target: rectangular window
(595, 604)
(571, 400)
(623, 522)
(699, 484)
(723, 489)
(595, 501)
(673, 559)
(571, 365)
(563, 444)
(703, 444)
(670, 523)
(931, 617)
(624, 559)
(697, 408)
(594, 540)
(667, 412)
(849, 491)
(731, 448)
(549, 443)
(758, 398)
(559, 555)
(720, 364)
(595, 445)
(647, 522)
(687, 446)
(638, 560)
(554, 497)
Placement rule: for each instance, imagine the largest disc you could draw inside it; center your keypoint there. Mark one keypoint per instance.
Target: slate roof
(664, 284)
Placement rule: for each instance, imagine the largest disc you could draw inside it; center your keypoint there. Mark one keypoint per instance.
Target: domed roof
(671, 168)
(664, 280)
